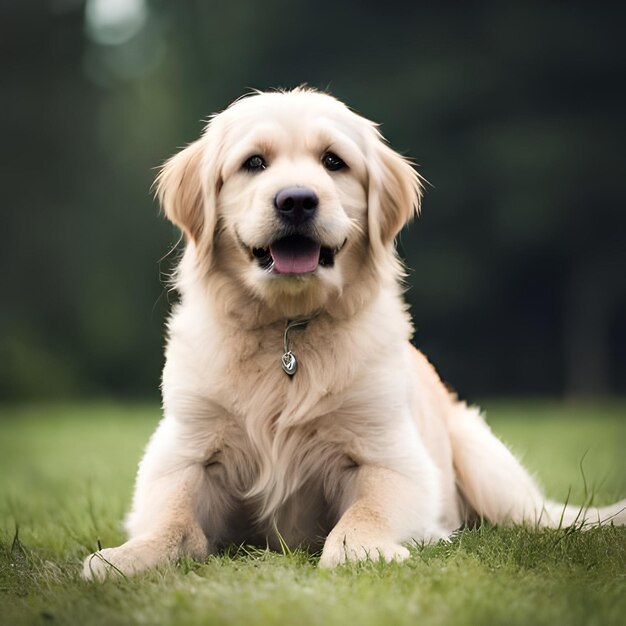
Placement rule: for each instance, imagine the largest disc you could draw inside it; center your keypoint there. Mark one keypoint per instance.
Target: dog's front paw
(126, 560)
(340, 549)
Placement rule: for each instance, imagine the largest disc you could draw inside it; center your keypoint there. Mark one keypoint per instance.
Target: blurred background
(514, 110)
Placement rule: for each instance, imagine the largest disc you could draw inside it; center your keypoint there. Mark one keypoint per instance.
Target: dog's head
(291, 195)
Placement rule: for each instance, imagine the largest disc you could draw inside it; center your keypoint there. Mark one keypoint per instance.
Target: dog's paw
(101, 564)
(338, 550)
(126, 560)
(616, 513)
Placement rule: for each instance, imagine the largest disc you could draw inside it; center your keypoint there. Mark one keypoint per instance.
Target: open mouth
(295, 254)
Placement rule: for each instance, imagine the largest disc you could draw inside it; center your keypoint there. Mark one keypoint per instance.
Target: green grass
(66, 478)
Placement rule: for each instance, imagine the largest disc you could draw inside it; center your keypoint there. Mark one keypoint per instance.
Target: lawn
(66, 476)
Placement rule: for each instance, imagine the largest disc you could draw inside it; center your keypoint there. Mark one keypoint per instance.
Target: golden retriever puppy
(295, 408)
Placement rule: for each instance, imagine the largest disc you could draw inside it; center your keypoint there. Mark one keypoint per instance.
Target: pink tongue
(298, 257)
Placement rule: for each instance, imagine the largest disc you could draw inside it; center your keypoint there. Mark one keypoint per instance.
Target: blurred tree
(515, 110)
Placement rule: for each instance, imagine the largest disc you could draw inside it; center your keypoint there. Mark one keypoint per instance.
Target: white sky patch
(114, 22)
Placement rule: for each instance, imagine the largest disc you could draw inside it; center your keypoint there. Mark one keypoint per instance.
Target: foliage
(512, 110)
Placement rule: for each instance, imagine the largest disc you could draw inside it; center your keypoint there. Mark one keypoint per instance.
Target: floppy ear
(186, 199)
(395, 193)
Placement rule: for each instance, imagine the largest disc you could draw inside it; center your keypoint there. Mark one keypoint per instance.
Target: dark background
(514, 110)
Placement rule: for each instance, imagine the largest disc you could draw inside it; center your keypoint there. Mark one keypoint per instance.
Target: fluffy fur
(363, 449)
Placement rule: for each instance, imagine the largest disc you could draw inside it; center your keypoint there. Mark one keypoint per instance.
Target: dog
(295, 408)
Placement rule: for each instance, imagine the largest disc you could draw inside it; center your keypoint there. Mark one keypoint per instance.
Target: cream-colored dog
(295, 407)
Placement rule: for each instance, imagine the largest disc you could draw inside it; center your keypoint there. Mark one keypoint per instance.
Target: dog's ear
(395, 194)
(184, 196)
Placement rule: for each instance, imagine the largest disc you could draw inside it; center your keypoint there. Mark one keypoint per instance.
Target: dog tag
(289, 363)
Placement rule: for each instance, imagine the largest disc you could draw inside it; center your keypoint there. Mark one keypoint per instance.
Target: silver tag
(289, 363)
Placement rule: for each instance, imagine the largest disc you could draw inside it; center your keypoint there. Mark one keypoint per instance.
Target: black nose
(296, 205)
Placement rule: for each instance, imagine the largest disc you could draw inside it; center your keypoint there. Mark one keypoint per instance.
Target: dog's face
(290, 194)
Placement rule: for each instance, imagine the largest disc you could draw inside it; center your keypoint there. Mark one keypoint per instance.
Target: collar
(288, 360)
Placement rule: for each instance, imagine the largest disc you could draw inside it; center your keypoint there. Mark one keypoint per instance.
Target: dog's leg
(384, 509)
(172, 533)
(163, 525)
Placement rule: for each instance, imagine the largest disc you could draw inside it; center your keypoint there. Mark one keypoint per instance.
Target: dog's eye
(332, 162)
(254, 164)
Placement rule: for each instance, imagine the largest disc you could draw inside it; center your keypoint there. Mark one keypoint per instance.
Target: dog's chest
(260, 354)
(254, 385)
(264, 460)
(278, 479)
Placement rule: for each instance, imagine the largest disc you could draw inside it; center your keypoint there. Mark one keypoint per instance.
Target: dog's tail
(497, 488)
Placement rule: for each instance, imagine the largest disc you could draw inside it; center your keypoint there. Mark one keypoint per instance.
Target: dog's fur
(363, 449)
